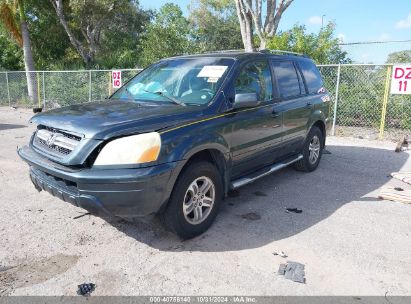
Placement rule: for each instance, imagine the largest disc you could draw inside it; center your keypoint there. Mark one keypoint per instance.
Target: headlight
(135, 149)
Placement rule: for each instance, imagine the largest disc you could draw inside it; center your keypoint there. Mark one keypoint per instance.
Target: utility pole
(322, 21)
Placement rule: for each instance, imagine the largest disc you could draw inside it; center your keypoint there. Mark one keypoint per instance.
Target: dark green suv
(176, 138)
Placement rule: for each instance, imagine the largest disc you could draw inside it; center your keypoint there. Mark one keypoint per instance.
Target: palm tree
(13, 17)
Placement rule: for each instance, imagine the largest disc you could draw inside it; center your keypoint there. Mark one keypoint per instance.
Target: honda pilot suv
(176, 138)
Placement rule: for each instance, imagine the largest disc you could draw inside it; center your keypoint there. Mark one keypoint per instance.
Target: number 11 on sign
(403, 86)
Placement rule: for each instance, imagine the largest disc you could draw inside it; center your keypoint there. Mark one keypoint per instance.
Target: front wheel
(194, 202)
(312, 151)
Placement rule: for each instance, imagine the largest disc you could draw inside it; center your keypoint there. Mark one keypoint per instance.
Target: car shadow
(10, 126)
(347, 174)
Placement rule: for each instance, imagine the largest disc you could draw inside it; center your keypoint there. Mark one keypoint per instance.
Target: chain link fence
(357, 94)
(53, 89)
(360, 106)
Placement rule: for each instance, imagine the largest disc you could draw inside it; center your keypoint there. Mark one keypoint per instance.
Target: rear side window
(287, 78)
(312, 76)
(255, 78)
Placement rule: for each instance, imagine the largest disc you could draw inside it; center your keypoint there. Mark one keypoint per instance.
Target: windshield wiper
(170, 98)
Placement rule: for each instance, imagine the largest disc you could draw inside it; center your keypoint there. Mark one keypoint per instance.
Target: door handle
(309, 105)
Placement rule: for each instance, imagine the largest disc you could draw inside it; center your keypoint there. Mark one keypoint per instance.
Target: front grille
(57, 142)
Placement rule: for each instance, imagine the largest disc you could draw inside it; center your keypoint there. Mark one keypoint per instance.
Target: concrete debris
(402, 145)
(281, 254)
(293, 271)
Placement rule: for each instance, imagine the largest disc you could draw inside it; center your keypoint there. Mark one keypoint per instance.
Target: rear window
(287, 78)
(312, 76)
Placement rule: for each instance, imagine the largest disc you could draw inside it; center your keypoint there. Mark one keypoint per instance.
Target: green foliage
(53, 50)
(399, 57)
(109, 30)
(323, 47)
(168, 35)
(216, 25)
(11, 55)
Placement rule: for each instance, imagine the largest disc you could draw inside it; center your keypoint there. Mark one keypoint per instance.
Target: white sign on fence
(116, 78)
(401, 79)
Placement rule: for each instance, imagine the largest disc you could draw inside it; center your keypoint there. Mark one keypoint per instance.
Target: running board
(263, 172)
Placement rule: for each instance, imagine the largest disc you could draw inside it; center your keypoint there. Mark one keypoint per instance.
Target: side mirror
(246, 100)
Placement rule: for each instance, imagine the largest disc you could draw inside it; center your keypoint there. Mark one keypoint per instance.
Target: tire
(314, 140)
(182, 215)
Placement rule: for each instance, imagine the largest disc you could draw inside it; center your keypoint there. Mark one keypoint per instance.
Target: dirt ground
(350, 242)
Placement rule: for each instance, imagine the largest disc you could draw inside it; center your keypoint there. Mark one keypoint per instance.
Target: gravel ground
(350, 242)
(393, 135)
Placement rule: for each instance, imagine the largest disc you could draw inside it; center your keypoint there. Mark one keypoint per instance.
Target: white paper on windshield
(213, 71)
(212, 79)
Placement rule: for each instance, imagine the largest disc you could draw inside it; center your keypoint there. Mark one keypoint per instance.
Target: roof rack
(224, 51)
(282, 52)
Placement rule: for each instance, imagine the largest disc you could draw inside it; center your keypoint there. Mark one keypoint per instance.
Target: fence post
(89, 86)
(337, 90)
(38, 89)
(109, 83)
(8, 88)
(44, 90)
(385, 101)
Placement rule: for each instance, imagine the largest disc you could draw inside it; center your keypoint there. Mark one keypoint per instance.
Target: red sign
(401, 79)
(116, 79)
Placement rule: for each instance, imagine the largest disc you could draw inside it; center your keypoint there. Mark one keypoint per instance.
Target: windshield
(192, 81)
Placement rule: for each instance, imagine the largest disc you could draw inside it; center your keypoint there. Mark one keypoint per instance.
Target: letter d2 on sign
(116, 79)
(401, 79)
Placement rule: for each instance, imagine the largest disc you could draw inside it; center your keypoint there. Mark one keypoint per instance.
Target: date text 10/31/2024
(203, 299)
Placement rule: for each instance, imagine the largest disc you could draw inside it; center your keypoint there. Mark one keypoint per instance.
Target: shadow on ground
(347, 174)
(10, 126)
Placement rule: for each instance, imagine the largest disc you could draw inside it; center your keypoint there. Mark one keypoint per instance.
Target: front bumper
(126, 193)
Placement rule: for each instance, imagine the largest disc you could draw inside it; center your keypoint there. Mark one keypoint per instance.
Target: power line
(374, 42)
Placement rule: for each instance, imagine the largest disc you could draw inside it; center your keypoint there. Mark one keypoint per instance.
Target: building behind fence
(357, 92)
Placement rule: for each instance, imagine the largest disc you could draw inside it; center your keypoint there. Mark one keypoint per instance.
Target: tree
(14, 19)
(168, 35)
(50, 44)
(216, 25)
(11, 55)
(88, 23)
(399, 57)
(250, 16)
(323, 47)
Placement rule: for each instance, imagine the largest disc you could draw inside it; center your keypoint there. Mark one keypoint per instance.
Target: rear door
(256, 132)
(294, 105)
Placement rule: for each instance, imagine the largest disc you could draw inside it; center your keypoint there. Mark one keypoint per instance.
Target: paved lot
(350, 242)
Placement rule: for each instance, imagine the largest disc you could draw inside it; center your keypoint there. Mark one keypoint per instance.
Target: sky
(356, 20)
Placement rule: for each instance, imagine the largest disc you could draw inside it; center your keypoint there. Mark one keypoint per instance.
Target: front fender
(183, 143)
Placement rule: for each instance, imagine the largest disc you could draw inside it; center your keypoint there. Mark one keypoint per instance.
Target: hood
(104, 119)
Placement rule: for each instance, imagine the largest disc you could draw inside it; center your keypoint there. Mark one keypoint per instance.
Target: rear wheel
(195, 200)
(312, 151)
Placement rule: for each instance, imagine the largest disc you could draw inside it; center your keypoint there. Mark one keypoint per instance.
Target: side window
(255, 78)
(312, 76)
(287, 78)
